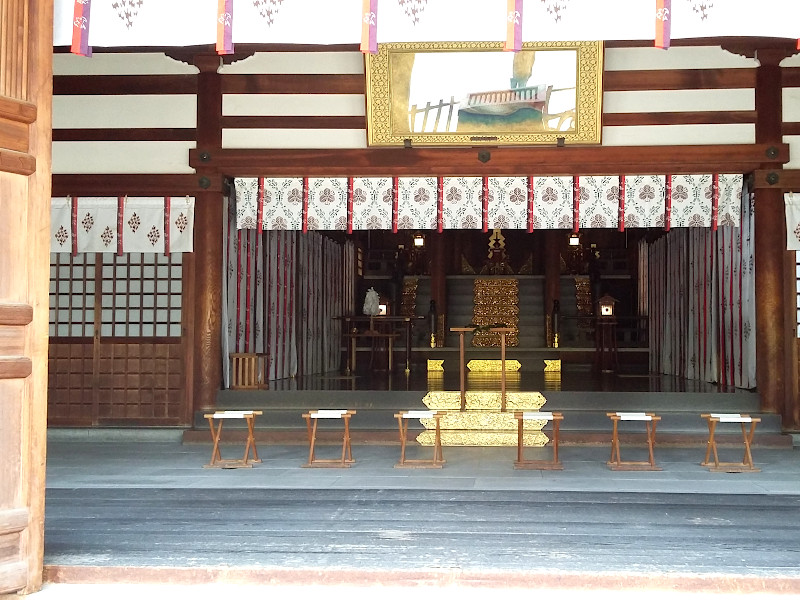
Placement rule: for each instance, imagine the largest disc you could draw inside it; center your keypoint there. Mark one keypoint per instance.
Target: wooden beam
(121, 85)
(128, 134)
(15, 314)
(293, 84)
(686, 79)
(13, 520)
(20, 163)
(15, 367)
(701, 117)
(294, 122)
(507, 161)
(784, 179)
(133, 185)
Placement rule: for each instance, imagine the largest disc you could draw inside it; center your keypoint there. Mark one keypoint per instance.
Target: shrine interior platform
(582, 396)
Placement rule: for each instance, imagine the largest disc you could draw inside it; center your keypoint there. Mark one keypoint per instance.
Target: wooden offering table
(747, 438)
(649, 420)
(503, 331)
(377, 329)
(216, 432)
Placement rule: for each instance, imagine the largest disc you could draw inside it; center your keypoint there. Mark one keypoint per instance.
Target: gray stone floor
(126, 504)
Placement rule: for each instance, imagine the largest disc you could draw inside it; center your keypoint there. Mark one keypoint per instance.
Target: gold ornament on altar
(483, 423)
(408, 302)
(493, 365)
(496, 303)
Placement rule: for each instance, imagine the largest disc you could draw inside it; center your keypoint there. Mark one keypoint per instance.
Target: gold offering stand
(503, 331)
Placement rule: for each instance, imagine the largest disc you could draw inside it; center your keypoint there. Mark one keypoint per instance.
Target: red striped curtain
(281, 292)
(702, 315)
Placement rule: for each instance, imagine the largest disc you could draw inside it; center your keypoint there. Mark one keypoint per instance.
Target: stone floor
(128, 511)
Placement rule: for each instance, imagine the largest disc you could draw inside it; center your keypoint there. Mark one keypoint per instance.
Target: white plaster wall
(294, 105)
(794, 151)
(294, 138)
(677, 57)
(121, 157)
(339, 63)
(139, 111)
(141, 63)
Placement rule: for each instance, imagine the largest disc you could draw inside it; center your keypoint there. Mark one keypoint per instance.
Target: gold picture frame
(455, 94)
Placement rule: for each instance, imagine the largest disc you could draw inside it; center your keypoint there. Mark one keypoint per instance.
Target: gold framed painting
(474, 93)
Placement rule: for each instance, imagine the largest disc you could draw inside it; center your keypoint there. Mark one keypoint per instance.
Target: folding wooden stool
(347, 454)
(521, 462)
(616, 463)
(216, 432)
(402, 421)
(747, 437)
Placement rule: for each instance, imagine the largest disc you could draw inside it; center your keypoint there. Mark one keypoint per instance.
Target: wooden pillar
(206, 295)
(770, 247)
(26, 93)
(438, 253)
(553, 240)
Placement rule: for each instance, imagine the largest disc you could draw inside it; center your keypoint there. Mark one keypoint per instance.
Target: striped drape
(281, 293)
(702, 314)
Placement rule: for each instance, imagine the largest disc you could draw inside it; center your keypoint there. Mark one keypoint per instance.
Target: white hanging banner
(372, 203)
(327, 204)
(691, 200)
(97, 224)
(792, 202)
(143, 225)
(417, 203)
(181, 224)
(599, 202)
(60, 225)
(644, 200)
(138, 23)
(508, 203)
(552, 202)
(461, 205)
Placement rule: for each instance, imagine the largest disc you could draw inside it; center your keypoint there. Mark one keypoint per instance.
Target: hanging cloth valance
(585, 202)
(122, 224)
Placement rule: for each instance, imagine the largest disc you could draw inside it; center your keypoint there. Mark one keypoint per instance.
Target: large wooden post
(26, 92)
(770, 248)
(207, 290)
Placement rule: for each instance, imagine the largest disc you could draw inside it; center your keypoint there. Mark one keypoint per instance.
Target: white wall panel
(152, 63)
(678, 100)
(294, 104)
(791, 105)
(792, 61)
(294, 138)
(121, 157)
(794, 151)
(664, 135)
(677, 57)
(133, 112)
(336, 63)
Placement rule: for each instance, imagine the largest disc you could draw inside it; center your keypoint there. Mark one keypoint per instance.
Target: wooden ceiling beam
(508, 161)
(133, 185)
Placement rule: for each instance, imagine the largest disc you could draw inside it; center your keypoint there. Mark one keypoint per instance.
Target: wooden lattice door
(116, 351)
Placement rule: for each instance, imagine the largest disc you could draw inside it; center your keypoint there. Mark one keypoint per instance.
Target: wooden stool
(402, 421)
(522, 463)
(650, 420)
(248, 371)
(220, 416)
(747, 437)
(347, 454)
